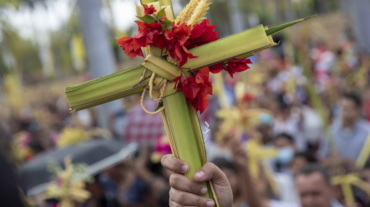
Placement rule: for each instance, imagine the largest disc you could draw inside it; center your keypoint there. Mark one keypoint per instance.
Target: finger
(173, 164)
(174, 204)
(209, 171)
(182, 183)
(188, 199)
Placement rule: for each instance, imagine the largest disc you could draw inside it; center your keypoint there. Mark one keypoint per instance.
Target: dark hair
(308, 157)
(285, 136)
(36, 146)
(221, 162)
(354, 97)
(315, 168)
(283, 102)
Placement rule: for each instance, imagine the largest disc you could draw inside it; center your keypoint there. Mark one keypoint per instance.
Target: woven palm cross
(156, 74)
(67, 191)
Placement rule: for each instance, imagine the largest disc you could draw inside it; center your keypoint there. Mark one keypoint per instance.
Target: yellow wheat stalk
(187, 13)
(199, 12)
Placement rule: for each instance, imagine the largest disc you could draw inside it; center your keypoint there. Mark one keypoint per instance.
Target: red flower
(188, 86)
(202, 34)
(202, 79)
(176, 39)
(216, 68)
(131, 46)
(149, 10)
(200, 103)
(151, 34)
(248, 97)
(236, 65)
(145, 27)
(147, 35)
(196, 88)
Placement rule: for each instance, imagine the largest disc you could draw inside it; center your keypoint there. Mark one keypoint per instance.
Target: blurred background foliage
(26, 56)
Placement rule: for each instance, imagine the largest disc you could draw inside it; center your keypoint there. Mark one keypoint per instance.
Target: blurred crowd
(310, 106)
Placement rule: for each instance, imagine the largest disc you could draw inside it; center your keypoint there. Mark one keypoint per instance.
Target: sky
(38, 22)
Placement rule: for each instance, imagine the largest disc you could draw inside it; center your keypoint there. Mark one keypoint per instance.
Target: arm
(249, 190)
(141, 165)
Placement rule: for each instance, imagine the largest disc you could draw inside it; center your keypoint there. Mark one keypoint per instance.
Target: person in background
(264, 128)
(299, 160)
(150, 182)
(365, 176)
(285, 181)
(98, 198)
(115, 180)
(350, 131)
(10, 194)
(366, 104)
(285, 121)
(324, 60)
(233, 175)
(237, 171)
(313, 132)
(284, 140)
(264, 190)
(314, 188)
(284, 143)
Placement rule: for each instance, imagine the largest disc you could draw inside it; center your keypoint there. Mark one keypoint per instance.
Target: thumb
(210, 171)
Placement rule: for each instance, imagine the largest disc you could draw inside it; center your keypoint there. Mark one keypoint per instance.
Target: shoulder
(275, 203)
(336, 126)
(364, 125)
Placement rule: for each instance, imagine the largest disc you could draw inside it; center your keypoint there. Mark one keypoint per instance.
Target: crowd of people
(314, 115)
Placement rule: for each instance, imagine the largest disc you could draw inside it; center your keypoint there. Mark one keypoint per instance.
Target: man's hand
(185, 192)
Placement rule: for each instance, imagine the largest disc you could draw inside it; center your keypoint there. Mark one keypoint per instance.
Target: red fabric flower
(196, 89)
(236, 65)
(149, 9)
(176, 39)
(202, 34)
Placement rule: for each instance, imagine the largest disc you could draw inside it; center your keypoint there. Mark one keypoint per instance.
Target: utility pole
(236, 17)
(100, 59)
(358, 11)
(360, 18)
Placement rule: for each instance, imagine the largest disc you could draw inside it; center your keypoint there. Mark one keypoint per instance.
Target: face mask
(285, 155)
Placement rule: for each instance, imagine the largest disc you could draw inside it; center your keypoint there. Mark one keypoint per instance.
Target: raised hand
(185, 192)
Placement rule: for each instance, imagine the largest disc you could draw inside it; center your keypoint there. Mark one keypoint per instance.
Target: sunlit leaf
(147, 19)
(161, 13)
